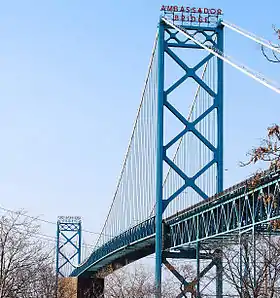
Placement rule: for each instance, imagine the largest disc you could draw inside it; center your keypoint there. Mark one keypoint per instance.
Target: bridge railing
(243, 208)
(137, 233)
(177, 222)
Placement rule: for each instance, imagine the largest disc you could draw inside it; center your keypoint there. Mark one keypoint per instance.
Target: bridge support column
(90, 287)
(219, 275)
(192, 287)
(198, 268)
(186, 287)
(213, 90)
(159, 167)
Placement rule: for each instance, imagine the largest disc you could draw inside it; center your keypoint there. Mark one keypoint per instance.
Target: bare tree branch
(26, 267)
(268, 151)
(252, 268)
(275, 58)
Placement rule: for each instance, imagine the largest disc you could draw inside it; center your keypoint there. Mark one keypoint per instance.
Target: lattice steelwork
(195, 151)
(68, 252)
(196, 171)
(237, 210)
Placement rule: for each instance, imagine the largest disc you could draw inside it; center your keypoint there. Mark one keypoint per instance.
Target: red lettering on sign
(192, 14)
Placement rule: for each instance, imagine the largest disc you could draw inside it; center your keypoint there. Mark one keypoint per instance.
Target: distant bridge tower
(173, 43)
(68, 250)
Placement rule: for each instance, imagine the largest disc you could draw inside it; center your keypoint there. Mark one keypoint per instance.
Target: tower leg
(191, 286)
(198, 269)
(159, 168)
(219, 277)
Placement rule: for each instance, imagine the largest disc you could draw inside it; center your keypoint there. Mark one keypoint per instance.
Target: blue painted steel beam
(142, 232)
(68, 235)
(232, 213)
(159, 165)
(189, 126)
(163, 103)
(220, 107)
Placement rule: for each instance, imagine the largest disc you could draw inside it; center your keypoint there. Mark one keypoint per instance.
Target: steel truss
(68, 250)
(257, 208)
(192, 287)
(233, 216)
(168, 39)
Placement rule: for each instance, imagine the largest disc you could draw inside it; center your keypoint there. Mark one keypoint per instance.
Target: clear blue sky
(71, 74)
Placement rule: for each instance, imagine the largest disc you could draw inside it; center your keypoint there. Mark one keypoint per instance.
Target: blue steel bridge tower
(69, 242)
(173, 164)
(170, 38)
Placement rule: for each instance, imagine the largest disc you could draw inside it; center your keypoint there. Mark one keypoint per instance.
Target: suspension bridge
(170, 197)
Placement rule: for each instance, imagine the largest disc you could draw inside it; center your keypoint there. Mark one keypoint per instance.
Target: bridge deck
(239, 207)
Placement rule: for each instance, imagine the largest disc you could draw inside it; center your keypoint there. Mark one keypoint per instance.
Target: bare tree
(253, 265)
(25, 265)
(138, 282)
(172, 286)
(252, 268)
(67, 288)
(135, 283)
(268, 151)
